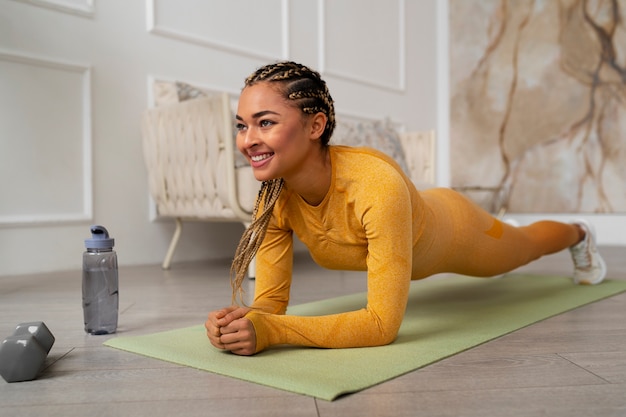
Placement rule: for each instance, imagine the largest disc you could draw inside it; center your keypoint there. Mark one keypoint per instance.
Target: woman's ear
(318, 125)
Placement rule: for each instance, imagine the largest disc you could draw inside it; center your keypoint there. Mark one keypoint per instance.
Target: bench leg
(170, 251)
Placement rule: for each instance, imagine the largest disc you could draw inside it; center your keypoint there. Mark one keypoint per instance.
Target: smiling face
(276, 137)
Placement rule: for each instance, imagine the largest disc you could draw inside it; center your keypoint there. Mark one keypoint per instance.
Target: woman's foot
(589, 267)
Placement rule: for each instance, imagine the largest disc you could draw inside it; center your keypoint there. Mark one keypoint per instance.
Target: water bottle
(100, 283)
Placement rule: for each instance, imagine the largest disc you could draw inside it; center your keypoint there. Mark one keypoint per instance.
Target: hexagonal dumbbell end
(39, 330)
(22, 355)
(21, 358)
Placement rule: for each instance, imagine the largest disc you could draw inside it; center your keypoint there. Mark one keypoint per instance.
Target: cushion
(378, 134)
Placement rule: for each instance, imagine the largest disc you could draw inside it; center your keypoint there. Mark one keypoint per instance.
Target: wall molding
(83, 8)
(326, 70)
(85, 213)
(154, 28)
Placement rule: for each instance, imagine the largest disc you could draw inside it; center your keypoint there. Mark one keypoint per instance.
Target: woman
(351, 208)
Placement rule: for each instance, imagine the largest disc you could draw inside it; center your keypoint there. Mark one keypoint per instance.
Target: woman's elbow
(386, 337)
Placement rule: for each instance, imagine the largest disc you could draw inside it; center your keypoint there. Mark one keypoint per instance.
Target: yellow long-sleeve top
(374, 219)
(369, 220)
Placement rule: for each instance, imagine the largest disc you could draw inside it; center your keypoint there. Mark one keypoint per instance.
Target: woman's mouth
(261, 157)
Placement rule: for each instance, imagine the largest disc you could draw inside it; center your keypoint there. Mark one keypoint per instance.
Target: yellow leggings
(458, 236)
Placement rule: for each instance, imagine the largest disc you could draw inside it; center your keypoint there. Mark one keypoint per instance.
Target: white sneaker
(589, 267)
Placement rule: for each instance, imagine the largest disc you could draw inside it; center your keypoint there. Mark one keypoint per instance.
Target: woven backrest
(188, 151)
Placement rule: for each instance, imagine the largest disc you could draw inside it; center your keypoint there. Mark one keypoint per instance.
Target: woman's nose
(250, 138)
(246, 140)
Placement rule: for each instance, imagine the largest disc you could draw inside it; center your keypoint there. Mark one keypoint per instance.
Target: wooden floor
(570, 365)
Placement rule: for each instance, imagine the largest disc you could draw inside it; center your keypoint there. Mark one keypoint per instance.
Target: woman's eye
(239, 127)
(266, 123)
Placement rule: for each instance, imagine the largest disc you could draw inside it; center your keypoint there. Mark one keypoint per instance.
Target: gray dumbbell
(23, 354)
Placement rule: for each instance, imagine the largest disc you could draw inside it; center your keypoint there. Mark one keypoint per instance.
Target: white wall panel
(369, 47)
(257, 29)
(79, 7)
(45, 140)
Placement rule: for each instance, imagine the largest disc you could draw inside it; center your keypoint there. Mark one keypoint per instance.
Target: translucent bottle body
(100, 291)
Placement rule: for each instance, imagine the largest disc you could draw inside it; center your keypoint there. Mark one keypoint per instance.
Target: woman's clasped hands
(228, 329)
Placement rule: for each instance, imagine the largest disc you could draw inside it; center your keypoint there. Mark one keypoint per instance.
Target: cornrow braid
(304, 88)
(253, 236)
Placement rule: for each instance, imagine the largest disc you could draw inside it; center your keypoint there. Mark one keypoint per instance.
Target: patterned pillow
(379, 134)
(189, 92)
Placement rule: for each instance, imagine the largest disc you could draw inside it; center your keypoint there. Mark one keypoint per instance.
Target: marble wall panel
(538, 104)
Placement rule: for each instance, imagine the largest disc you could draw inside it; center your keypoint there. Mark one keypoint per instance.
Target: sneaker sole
(601, 276)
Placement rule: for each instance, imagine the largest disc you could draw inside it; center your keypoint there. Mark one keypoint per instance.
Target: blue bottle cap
(99, 238)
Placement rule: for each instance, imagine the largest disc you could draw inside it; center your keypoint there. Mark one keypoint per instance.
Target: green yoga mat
(444, 317)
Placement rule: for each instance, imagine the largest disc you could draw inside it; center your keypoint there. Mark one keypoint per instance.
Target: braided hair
(305, 89)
